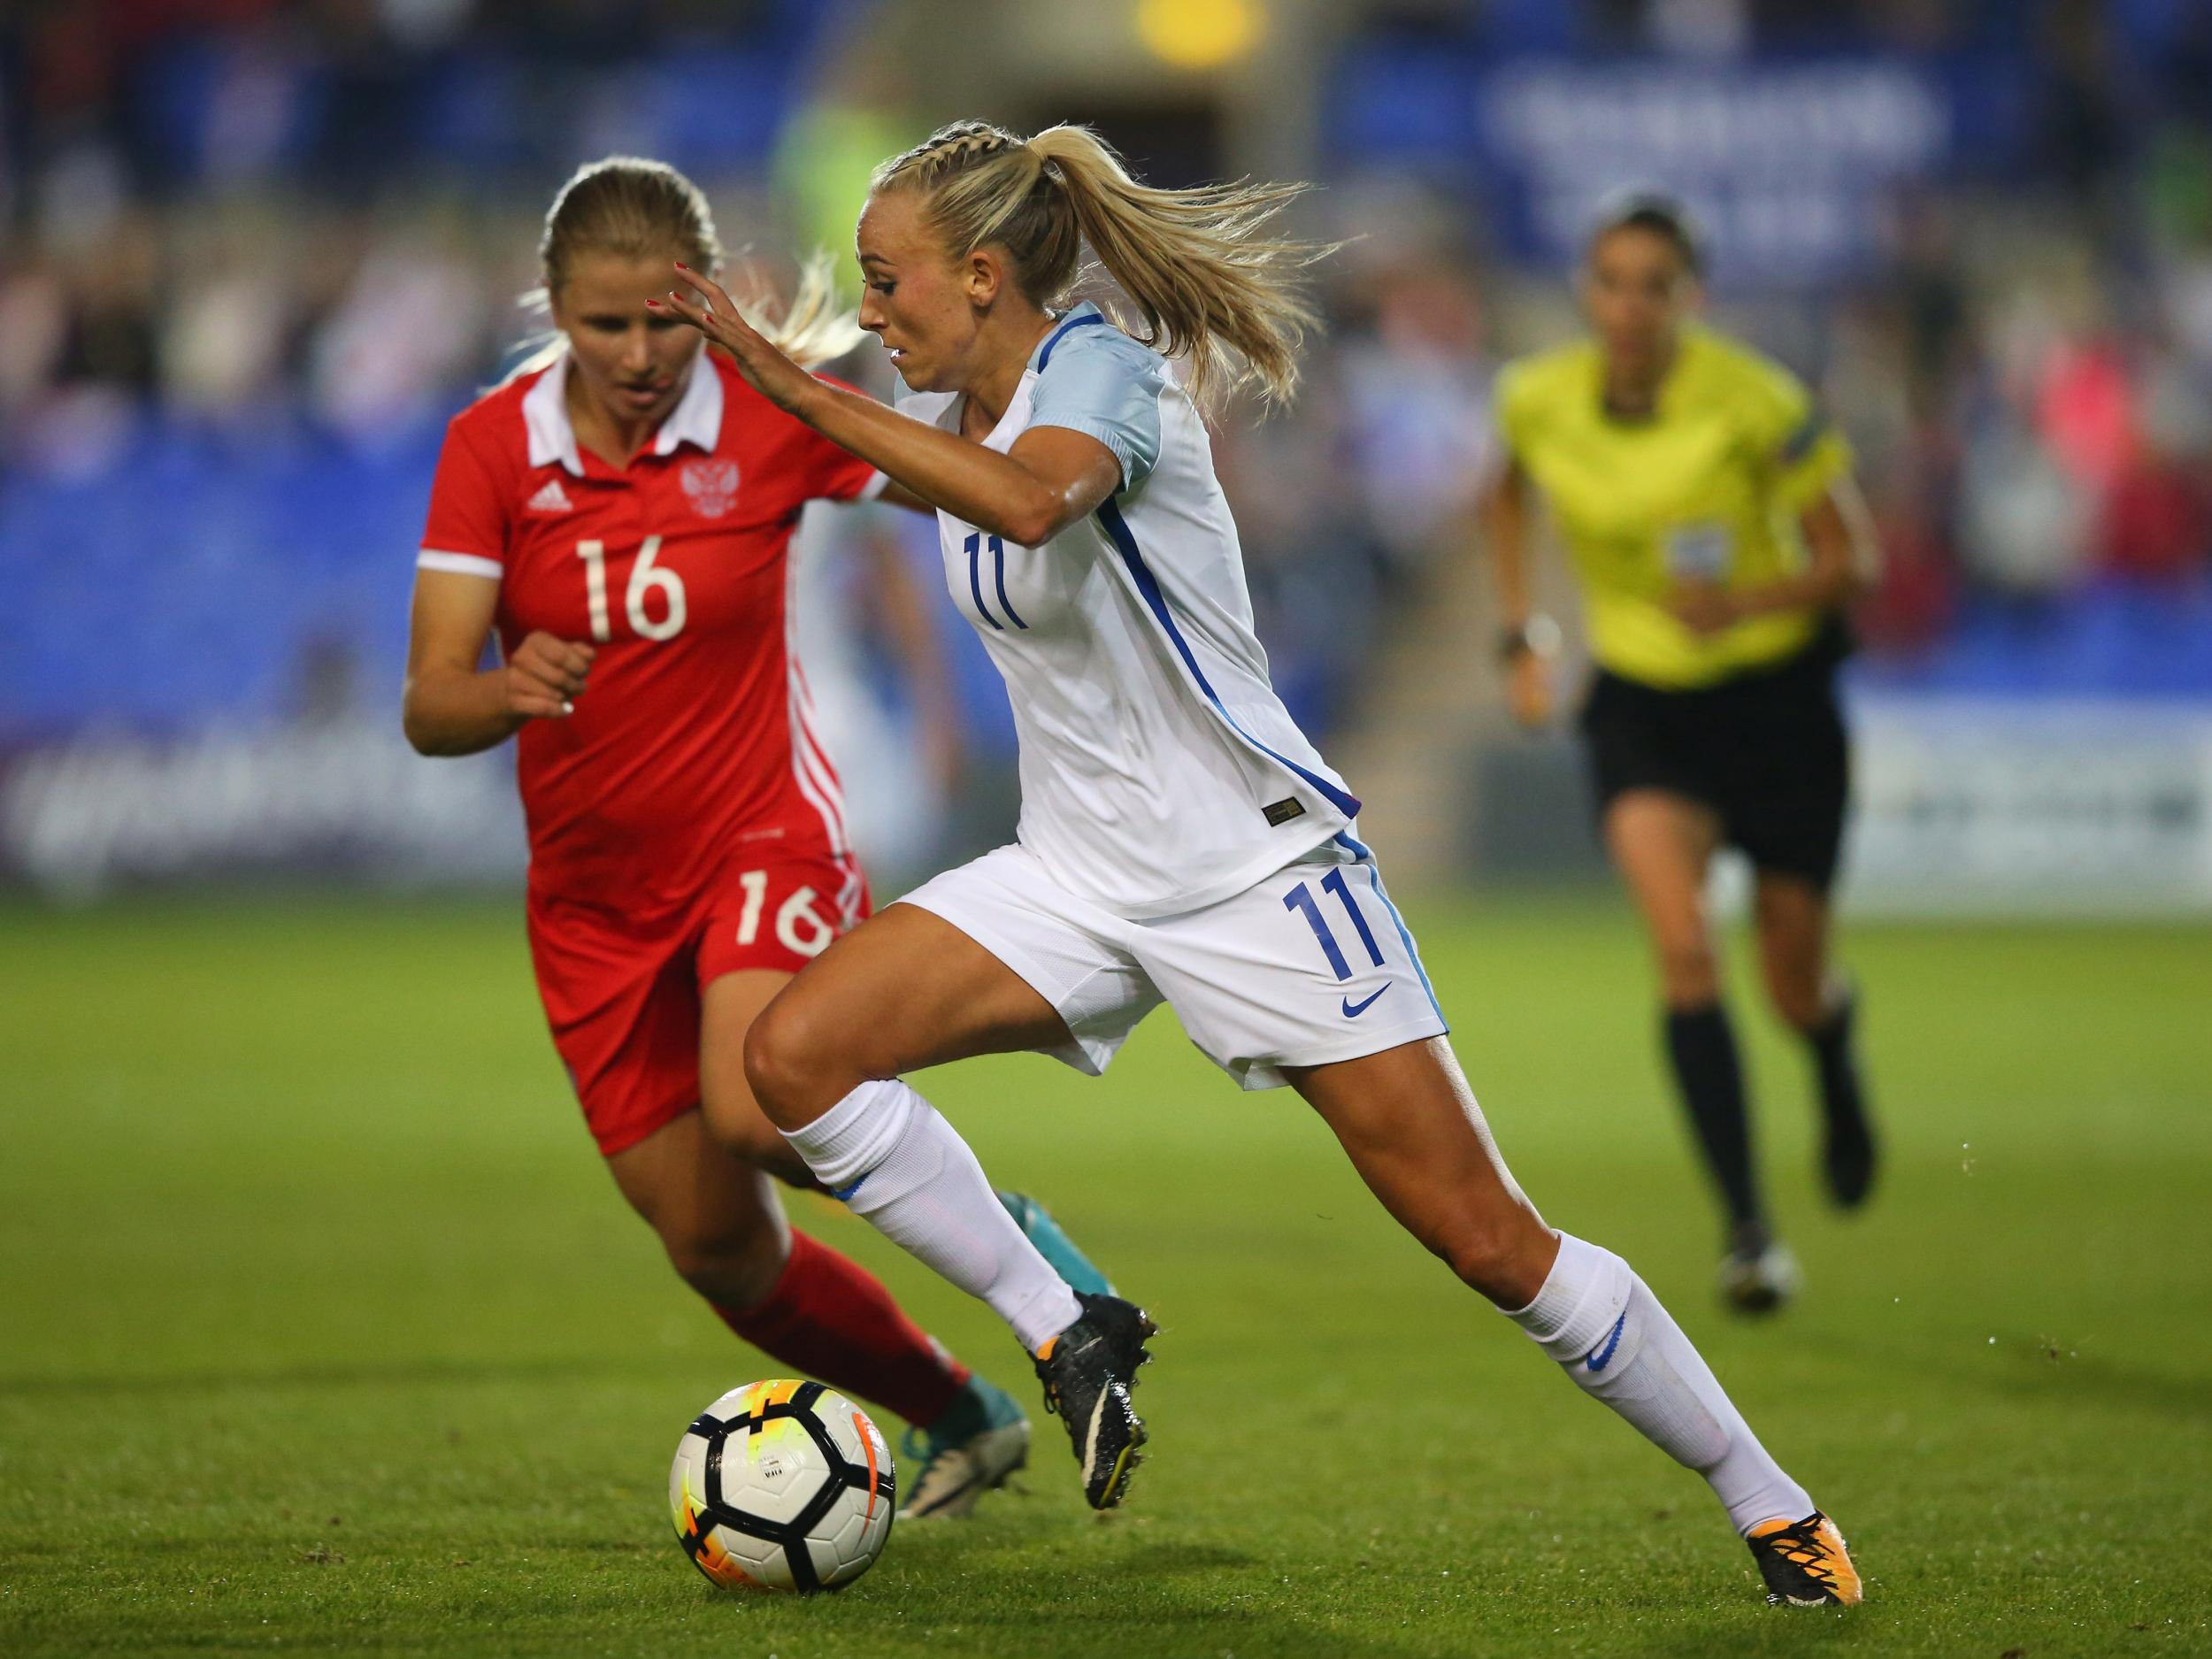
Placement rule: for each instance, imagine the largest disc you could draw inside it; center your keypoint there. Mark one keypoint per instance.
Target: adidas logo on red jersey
(551, 498)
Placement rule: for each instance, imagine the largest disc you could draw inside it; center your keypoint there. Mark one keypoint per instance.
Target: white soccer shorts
(1313, 964)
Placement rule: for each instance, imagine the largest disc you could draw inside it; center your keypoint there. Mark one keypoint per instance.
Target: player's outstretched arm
(451, 707)
(1050, 477)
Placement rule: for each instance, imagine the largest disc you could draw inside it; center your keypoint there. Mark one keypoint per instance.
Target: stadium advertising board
(342, 798)
(1542, 140)
(1968, 805)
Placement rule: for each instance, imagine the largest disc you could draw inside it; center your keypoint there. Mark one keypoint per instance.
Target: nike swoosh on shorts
(1353, 1010)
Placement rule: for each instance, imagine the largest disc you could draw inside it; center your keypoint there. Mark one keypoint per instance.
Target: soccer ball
(782, 1485)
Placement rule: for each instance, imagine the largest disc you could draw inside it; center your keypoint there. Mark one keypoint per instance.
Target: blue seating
(2114, 638)
(191, 582)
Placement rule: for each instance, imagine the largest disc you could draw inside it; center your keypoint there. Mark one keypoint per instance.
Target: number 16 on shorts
(782, 916)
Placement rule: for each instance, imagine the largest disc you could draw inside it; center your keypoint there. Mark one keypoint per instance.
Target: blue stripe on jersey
(1044, 352)
(1148, 586)
(1345, 840)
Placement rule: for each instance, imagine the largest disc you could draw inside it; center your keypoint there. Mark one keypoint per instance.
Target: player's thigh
(904, 990)
(717, 1215)
(1662, 843)
(1790, 915)
(1409, 1122)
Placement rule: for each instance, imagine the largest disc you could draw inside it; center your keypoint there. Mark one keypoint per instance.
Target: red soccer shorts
(622, 994)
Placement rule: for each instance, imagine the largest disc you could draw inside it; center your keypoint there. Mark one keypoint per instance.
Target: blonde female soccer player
(1714, 525)
(1180, 840)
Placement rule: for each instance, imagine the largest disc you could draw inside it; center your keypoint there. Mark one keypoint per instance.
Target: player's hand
(545, 676)
(1704, 608)
(1528, 690)
(711, 309)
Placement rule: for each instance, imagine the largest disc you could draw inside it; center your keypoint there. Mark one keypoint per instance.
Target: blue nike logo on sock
(1353, 1010)
(1599, 1359)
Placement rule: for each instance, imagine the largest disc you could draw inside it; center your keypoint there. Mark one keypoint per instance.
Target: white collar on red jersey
(697, 419)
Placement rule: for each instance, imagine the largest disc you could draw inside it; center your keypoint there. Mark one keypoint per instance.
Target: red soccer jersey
(695, 738)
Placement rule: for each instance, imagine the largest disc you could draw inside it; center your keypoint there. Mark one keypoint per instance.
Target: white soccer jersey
(1159, 770)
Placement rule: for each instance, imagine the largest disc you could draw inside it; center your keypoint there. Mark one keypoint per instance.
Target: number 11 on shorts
(1300, 898)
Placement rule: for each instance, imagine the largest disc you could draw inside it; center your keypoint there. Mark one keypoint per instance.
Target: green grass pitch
(321, 1330)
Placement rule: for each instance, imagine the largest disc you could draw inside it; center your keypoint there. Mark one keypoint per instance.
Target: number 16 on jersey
(645, 578)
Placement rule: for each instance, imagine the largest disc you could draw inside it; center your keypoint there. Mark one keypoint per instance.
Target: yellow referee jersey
(1710, 487)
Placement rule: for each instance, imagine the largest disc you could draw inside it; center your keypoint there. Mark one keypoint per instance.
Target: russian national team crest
(711, 485)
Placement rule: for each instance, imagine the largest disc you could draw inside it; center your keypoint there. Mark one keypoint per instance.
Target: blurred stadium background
(255, 253)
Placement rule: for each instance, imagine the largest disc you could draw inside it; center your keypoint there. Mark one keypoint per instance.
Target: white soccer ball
(782, 1485)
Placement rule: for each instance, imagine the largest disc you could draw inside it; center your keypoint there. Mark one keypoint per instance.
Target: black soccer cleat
(1805, 1562)
(1087, 1372)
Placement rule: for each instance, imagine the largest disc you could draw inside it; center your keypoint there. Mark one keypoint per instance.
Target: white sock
(887, 1152)
(1603, 1325)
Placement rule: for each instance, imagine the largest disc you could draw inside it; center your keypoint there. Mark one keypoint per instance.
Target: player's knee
(732, 1264)
(1689, 971)
(798, 1062)
(1491, 1256)
(777, 1061)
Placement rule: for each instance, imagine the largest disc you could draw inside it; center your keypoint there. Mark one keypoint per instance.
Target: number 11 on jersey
(975, 545)
(1300, 898)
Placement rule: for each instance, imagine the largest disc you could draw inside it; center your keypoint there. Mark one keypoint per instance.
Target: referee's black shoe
(1087, 1370)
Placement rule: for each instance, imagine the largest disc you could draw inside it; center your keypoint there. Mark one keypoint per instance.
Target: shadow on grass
(2021, 1368)
(1198, 1630)
(353, 1374)
(1166, 1559)
(1790, 1631)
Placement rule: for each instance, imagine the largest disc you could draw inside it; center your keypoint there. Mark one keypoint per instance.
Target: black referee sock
(1847, 1156)
(1702, 1050)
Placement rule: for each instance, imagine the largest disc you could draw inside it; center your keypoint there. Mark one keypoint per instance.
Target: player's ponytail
(1203, 279)
(637, 209)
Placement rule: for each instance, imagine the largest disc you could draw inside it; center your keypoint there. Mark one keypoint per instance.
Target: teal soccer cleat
(1055, 1245)
(982, 1438)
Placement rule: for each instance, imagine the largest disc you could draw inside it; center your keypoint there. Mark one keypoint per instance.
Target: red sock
(831, 1319)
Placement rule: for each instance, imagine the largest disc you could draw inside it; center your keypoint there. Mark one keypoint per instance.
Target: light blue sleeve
(1100, 382)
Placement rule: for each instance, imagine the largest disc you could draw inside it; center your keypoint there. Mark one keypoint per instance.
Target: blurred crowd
(237, 230)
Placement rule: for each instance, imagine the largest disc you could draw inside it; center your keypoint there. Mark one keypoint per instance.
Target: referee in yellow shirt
(1716, 534)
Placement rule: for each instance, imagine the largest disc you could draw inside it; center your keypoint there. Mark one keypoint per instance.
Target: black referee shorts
(1766, 750)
